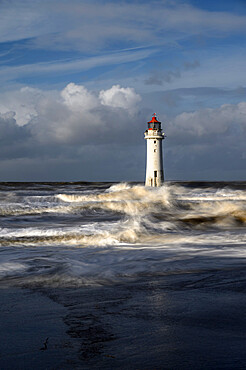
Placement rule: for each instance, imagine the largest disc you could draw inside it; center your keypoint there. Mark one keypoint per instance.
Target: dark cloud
(176, 101)
(160, 77)
(10, 133)
(77, 133)
(80, 135)
(210, 91)
(191, 65)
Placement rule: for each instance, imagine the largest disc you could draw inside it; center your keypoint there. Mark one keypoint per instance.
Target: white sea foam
(118, 187)
(10, 268)
(99, 236)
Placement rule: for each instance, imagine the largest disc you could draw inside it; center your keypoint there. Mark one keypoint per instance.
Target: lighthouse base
(156, 180)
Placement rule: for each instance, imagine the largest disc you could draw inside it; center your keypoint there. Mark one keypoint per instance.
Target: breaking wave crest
(167, 203)
(77, 234)
(129, 200)
(145, 214)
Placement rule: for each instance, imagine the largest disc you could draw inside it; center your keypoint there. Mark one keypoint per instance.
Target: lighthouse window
(155, 173)
(154, 150)
(154, 141)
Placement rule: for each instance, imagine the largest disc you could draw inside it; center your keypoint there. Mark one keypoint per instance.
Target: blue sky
(80, 79)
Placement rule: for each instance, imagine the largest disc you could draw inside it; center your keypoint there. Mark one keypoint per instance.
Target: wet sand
(32, 331)
(184, 321)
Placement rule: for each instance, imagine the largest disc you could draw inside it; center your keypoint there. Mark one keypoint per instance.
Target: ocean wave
(143, 211)
(128, 236)
(93, 234)
(10, 268)
(113, 264)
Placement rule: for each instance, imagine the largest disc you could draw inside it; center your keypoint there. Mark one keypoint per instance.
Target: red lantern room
(154, 124)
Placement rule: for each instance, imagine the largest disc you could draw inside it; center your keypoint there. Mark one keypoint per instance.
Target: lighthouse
(154, 162)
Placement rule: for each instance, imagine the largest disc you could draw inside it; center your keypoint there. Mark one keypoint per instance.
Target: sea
(145, 278)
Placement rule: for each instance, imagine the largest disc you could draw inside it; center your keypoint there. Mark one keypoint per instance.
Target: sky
(79, 80)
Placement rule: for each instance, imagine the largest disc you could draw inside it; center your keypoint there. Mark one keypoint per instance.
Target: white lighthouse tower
(154, 163)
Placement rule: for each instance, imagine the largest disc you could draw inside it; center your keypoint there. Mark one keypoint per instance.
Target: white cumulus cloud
(228, 119)
(22, 102)
(77, 97)
(120, 97)
(72, 115)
